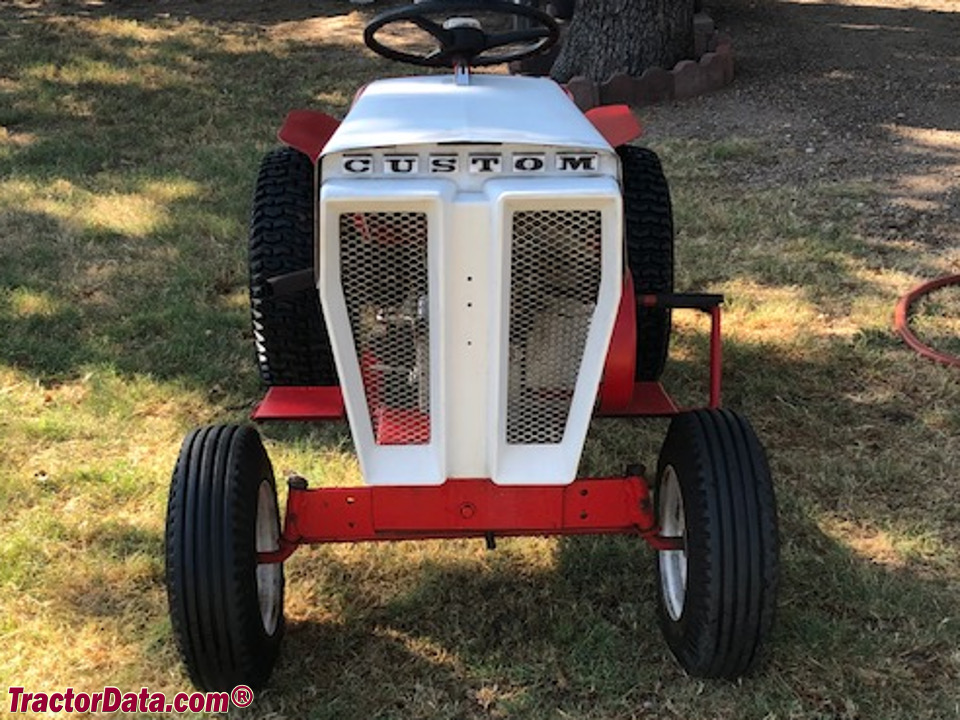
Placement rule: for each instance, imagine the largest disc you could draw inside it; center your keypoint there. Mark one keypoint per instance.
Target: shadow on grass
(128, 189)
(239, 11)
(160, 111)
(476, 639)
(538, 629)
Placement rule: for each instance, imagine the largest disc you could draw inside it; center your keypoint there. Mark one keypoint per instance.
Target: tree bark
(607, 37)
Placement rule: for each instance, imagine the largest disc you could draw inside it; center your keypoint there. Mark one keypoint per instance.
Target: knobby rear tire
(648, 220)
(292, 344)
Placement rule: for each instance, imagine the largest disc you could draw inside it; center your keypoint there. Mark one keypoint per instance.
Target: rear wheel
(648, 218)
(225, 608)
(717, 595)
(291, 339)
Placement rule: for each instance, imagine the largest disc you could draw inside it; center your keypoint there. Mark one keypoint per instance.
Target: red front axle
(469, 508)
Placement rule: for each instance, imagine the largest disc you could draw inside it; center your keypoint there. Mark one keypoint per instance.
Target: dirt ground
(864, 91)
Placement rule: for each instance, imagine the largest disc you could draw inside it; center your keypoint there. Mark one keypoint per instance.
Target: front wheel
(717, 595)
(226, 610)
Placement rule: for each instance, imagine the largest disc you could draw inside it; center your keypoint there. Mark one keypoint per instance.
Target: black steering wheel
(461, 38)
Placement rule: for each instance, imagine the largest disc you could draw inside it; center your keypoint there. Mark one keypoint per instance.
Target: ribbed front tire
(226, 610)
(717, 595)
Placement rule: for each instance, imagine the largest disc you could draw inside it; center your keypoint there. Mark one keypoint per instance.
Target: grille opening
(555, 269)
(383, 261)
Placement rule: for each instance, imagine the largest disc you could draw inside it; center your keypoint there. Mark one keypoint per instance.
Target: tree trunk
(607, 37)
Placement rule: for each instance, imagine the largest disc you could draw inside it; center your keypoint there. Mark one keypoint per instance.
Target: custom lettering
(528, 163)
(443, 163)
(485, 163)
(400, 164)
(570, 162)
(358, 164)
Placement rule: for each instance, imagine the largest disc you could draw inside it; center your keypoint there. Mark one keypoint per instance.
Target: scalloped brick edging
(688, 78)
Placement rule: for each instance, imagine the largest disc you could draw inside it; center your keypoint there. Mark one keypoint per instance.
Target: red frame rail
(619, 396)
(465, 508)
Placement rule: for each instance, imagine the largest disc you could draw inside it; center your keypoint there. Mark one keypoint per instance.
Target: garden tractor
(467, 268)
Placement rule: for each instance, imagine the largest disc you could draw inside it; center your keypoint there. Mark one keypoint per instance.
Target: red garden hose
(902, 313)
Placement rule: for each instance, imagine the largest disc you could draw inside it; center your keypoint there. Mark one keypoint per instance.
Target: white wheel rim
(269, 576)
(673, 563)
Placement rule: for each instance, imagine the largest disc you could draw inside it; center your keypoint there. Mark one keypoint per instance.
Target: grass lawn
(129, 140)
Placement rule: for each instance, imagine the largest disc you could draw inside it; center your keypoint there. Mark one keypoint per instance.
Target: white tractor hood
(491, 109)
(469, 305)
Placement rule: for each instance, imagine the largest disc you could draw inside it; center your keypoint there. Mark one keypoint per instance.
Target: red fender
(616, 123)
(308, 131)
